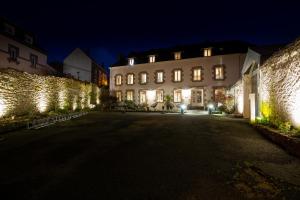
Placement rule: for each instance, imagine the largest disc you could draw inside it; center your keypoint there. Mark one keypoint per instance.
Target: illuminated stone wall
(23, 93)
(280, 86)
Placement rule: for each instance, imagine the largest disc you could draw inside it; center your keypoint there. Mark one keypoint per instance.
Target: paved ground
(146, 156)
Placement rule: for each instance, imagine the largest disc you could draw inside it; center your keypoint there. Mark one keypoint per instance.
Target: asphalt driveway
(146, 156)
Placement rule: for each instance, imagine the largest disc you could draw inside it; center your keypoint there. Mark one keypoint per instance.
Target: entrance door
(197, 97)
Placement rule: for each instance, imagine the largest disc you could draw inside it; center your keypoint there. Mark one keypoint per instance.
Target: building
(194, 75)
(19, 50)
(79, 65)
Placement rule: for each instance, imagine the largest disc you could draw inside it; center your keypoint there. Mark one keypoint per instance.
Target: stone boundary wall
(25, 94)
(280, 86)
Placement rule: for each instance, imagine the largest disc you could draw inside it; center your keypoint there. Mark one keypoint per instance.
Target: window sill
(13, 60)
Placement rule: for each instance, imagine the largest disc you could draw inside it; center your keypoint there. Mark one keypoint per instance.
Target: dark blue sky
(113, 27)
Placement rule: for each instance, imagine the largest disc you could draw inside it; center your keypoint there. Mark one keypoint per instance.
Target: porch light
(183, 106)
(186, 93)
(210, 106)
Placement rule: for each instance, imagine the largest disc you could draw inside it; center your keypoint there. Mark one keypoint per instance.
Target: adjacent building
(194, 75)
(19, 50)
(79, 65)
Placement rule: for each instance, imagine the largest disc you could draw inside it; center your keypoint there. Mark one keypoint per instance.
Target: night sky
(113, 27)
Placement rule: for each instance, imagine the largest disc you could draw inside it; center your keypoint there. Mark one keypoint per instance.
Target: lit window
(219, 95)
(159, 77)
(177, 75)
(28, 39)
(131, 61)
(130, 79)
(118, 79)
(151, 59)
(13, 52)
(207, 52)
(177, 96)
(197, 74)
(159, 96)
(129, 95)
(177, 55)
(219, 73)
(119, 96)
(9, 29)
(143, 78)
(33, 60)
(143, 97)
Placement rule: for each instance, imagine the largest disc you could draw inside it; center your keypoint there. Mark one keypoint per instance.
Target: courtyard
(146, 156)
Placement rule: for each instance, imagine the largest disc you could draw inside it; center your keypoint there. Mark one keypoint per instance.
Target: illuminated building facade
(193, 75)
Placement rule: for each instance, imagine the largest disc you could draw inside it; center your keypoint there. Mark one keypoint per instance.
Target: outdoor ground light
(210, 106)
(183, 106)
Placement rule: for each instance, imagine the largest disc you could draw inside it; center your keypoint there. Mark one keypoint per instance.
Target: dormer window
(152, 59)
(130, 61)
(9, 29)
(207, 52)
(177, 55)
(28, 39)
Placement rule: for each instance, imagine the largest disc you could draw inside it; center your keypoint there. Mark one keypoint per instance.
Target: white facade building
(193, 75)
(81, 66)
(18, 50)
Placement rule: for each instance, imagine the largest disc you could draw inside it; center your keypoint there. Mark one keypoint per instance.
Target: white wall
(24, 63)
(78, 61)
(233, 63)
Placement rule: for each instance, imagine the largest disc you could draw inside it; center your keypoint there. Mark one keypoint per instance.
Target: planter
(290, 144)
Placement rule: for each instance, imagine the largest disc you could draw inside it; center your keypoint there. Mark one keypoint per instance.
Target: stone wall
(22, 94)
(280, 86)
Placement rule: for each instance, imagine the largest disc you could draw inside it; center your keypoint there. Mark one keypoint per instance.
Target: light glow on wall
(186, 93)
(62, 98)
(240, 104)
(151, 95)
(42, 101)
(295, 110)
(2, 108)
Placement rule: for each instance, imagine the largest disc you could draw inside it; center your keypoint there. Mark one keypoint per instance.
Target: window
(119, 96)
(159, 77)
(219, 95)
(118, 79)
(151, 59)
(9, 29)
(131, 61)
(207, 52)
(177, 96)
(129, 79)
(143, 97)
(143, 78)
(28, 39)
(159, 96)
(197, 74)
(219, 72)
(13, 52)
(129, 95)
(177, 75)
(33, 60)
(177, 55)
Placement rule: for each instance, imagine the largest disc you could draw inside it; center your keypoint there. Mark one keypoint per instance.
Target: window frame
(127, 91)
(193, 74)
(140, 78)
(207, 52)
(145, 93)
(31, 61)
(180, 92)
(116, 79)
(119, 99)
(156, 76)
(156, 98)
(10, 48)
(174, 75)
(152, 58)
(223, 72)
(127, 79)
